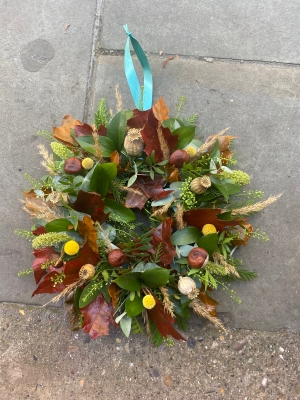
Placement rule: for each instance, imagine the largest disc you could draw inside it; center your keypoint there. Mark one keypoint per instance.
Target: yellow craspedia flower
(208, 228)
(71, 248)
(87, 163)
(149, 301)
(191, 150)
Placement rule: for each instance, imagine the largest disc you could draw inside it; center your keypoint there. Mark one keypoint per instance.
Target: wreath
(137, 221)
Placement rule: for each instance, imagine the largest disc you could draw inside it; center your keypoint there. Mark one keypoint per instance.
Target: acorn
(200, 185)
(72, 165)
(86, 272)
(179, 157)
(117, 257)
(134, 144)
(198, 257)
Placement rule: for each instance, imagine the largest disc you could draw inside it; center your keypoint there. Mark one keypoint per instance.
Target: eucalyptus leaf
(165, 200)
(125, 324)
(187, 235)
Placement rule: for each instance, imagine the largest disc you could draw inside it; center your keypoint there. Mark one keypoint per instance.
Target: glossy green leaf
(108, 145)
(110, 169)
(89, 294)
(129, 281)
(155, 277)
(185, 135)
(226, 188)
(142, 267)
(77, 294)
(118, 211)
(116, 129)
(86, 143)
(209, 242)
(58, 225)
(134, 307)
(99, 181)
(187, 235)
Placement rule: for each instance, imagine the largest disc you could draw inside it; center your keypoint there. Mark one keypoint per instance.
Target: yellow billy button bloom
(71, 248)
(208, 228)
(87, 163)
(191, 150)
(149, 301)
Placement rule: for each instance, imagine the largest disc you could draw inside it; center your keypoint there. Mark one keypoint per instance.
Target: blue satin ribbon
(142, 96)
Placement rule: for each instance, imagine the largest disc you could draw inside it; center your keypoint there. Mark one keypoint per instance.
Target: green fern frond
(136, 327)
(101, 115)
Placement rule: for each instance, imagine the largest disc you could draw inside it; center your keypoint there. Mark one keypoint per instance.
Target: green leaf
(131, 180)
(226, 216)
(187, 235)
(208, 242)
(116, 129)
(99, 181)
(125, 324)
(104, 291)
(129, 281)
(134, 307)
(86, 143)
(110, 169)
(88, 294)
(215, 153)
(141, 267)
(108, 146)
(185, 135)
(77, 294)
(118, 211)
(225, 187)
(58, 225)
(155, 277)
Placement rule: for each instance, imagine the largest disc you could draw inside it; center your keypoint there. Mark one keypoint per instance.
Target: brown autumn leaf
(160, 110)
(138, 119)
(114, 291)
(161, 236)
(172, 173)
(62, 133)
(41, 257)
(224, 142)
(243, 233)
(90, 203)
(97, 317)
(88, 232)
(208, 301)
(115, 157)
(202, 216)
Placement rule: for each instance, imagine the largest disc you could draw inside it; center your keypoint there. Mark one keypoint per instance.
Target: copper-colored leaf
(114, 291)
(63, 134)
(161, 236)
(172, 173)
(204, 216)
(163, 321)
(48, 285)
(160, 110)
(39, 231)
(208, 301)
(224, 142)
(115, 157)
(42, 256)
(88, 232)
(90, 203)
(151, 139)
(97, 317)
(243, 233)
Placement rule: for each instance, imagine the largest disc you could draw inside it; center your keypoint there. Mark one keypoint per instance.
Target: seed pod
(200, 185)
(117, 257)
(186, 285)
(179, 157)
(134, 143)
(86, 272)
(198, 257)
(72, 165)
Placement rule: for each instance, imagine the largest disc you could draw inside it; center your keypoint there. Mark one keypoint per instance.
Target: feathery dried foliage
(256, 207)
(167, 303)
(48, 159)
(146, 322)
(202, 311)
(118, 98)
(162, 211)
(162, 142)
(206, 146)
(39, 208)
(229, 269)
(179, 217)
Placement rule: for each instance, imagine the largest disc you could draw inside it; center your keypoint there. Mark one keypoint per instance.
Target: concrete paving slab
(40, 358)
(44, 67)
(250, 30)
(261, 105)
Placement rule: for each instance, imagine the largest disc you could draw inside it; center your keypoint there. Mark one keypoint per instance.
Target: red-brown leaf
(39, 231)
(163, 321)
(242, 232)
(41, 256)
(83, 130)
(114, 291)
(204, 216)
(90, 203)
(139, 119)
(151, 139)
(46, 286)
(162, 234)
(97, 317)
(160, 110)
(71, 269)
(208, 301)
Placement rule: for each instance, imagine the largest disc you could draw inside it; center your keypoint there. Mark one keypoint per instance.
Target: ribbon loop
(142, 96)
